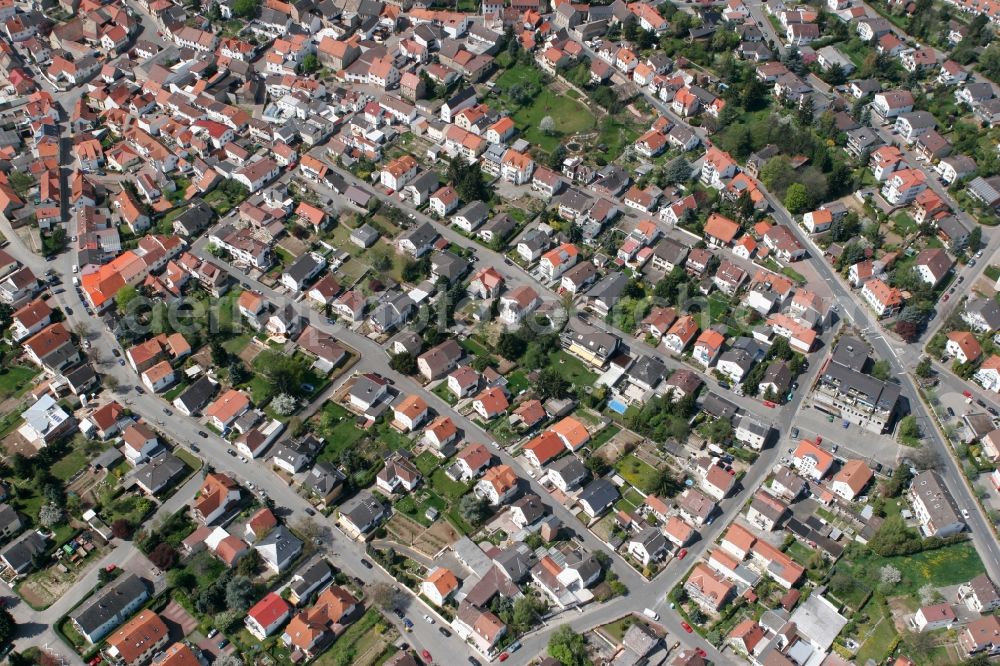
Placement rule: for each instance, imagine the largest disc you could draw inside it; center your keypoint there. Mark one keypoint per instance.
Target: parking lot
(851, 442)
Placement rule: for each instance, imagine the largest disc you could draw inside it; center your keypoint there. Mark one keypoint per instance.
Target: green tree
(975, 238)
(551, 384)
(881, 370)
(797, 198)
(924, 368)
(404, 363)
(8, 627)
(239, 593)
(286, 374)
(678, 170)
(245, 8)
(474, 510)
(568, 647)
(310, 64)
(511, 346)
(909, 430)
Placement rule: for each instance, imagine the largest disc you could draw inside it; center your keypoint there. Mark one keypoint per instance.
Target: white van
(651, 614)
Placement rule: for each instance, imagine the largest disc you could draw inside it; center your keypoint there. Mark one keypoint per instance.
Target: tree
(881, 370)
(511, 346)
(310, 64)
(404, 363)
(164, 556)
(50, 515)
(249, 564)
(568, 647)
(547, 125)
(597, 465)
(975, 238)
(284, 404)
(121, 529)
(474, 510)
(8, 627)
(924, 368)
(285, 373)
(678, 170)
(245, 8)
(890, 575)
(909, 430)
(797, 198)
(525, 613)
(551, 384)
(239, 593)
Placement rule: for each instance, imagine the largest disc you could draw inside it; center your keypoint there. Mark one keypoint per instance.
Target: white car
(965, 513)
(651, 614)
(428, 619)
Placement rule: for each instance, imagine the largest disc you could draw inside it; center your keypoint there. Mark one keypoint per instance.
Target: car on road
(69, 310)
(504, 656)
(194, 447)
(945, 297)
(686, 627)
(993, 411)
(115, 352)
(366, 564)
(972, 262)
(475, 662)
(202, 433)
(121, 361)
(965, 514)
(651, 614)
(507, 261)
(310, 511)
(167, 412)
(682, 553)
(770, 403)
(444, 632)
(408, 623)
(139, 390)
(231, 452)
(980, 402)
(428, 619)
(951, 412)
(58, 291)
(398, 613)
(427, 656)
(701, 652)
(795, 433)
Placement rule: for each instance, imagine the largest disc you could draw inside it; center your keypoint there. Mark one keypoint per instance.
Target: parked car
(202, 433)
(682, 553)
(444, 632)
(795, 433)
(231, 452)
(366, 564)
(398, 613)
(427, 656)
(428, 619)
(686, 627)
(310, 511)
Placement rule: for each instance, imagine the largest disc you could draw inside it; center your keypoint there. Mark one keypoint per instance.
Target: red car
(682, 553)
(686, 627)
(95, 661)
(504, 656)
(701, 653)
(427, 657)
(967, 394)
(768, 403)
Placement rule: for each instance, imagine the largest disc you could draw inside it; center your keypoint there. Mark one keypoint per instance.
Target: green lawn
(604, 436)
(474, 347)
(637, 472)
(445, 487)
(903, 224)
(950, 565)
(572, 369)
(615, 135)
(523, 74)
(71, 463)
(427, 462)
(517, 381)
(355, 641)
(877, 636)
(237, 344)
(570, 117)
(718, 307)
(15, 380)
(336, 425)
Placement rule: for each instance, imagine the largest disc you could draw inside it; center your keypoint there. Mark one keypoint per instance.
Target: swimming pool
(618, 406)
